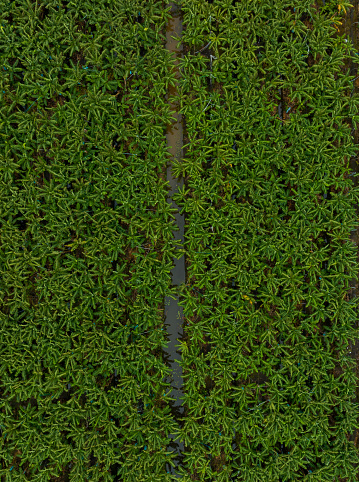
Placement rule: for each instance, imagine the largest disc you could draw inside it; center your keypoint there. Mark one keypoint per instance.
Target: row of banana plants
(269, 382)
(86, 241)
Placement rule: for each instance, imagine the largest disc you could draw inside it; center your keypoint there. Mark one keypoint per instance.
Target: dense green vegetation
(269, 208)
(86, 241)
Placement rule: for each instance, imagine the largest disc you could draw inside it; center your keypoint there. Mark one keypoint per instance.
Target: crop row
(86, 242)
(269, 207)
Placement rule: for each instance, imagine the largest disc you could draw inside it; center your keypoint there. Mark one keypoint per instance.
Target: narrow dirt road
(349, 28)
(174, 313)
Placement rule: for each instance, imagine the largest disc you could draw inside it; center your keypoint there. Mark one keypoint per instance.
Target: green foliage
(269, 208)
(86, 241)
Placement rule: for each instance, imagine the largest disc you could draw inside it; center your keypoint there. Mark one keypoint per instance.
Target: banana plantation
(267, 96)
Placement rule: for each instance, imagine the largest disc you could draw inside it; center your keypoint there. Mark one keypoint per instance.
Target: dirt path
(174, 313)
(350, 28)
